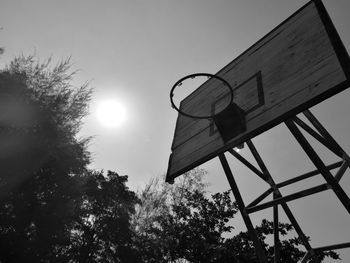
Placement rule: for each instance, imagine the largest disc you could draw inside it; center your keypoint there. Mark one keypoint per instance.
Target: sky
(135, 50)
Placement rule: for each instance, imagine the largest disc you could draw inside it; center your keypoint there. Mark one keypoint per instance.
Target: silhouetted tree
(40, 196)
(179, 222)
(103, 233)
(290, 247)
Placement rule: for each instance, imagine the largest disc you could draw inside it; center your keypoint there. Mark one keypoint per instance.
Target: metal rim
(193, 76)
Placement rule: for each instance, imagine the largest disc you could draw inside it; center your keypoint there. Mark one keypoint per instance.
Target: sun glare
(111, 113)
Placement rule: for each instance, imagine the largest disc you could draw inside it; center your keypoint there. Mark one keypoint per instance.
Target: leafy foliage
(57, 210)
(102, 233)
(50, 131)
(63, 105)
(38, 204)
(290, 247)
(35, 218)
(179, 223)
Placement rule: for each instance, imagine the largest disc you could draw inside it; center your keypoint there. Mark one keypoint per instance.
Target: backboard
(297, 65)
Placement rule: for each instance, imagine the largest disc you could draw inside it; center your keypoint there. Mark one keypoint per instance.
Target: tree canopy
(181, 223)
(39, 179)
(101, 232)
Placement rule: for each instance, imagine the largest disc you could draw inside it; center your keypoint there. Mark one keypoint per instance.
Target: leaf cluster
(182, 223)
(102, 231)
(179, 221)
(40, 175)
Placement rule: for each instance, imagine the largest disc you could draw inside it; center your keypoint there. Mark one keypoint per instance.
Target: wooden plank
(291, 69)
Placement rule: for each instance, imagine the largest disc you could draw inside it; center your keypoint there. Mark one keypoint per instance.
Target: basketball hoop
(230, 121)
(192, 76)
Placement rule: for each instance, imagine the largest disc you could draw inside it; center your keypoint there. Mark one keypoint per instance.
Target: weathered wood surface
(296, 67)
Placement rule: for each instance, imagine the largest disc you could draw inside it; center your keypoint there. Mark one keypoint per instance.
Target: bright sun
(111, 113)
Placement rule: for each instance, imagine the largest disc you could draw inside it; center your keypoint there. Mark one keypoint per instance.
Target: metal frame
(317, 131)
(191, 76)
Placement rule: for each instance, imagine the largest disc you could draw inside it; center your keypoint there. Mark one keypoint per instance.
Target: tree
(290, 251)
(103, 233)
(179, 223)
(52, 207)
(38, 202)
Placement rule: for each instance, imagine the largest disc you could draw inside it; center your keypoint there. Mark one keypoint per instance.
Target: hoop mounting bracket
(230, 122)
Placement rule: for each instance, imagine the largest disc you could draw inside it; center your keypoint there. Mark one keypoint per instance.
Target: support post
(257, 244)
(326, 142)
(344, 199)
(323, 137)
(324, 132)
(279, 195)
(276, 238)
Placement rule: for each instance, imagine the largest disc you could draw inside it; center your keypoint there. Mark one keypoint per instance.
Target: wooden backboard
(297, 65)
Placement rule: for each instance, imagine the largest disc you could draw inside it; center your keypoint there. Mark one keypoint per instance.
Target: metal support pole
(279, 195)
(326, 142)
(344, 199)
(261, 197)
(257, 244)
(249, 165)
(331, 247)
(309, 174)
(288, 198)
(276, 250)
(306, 257)
(341, 171)
(323, 137)
(313, 120)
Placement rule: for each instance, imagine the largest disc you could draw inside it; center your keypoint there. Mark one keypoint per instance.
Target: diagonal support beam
(261, 197)
(328, 143)
(276, 238)
(332, 247)
(300, 178)
(288, 198)
(249, 165)
(319, 127)
(344, 199)
(308, 175)
(279, 195)
(306, 257)
(260, 162)
(341, 171)
(297, 227)
(252, 233)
